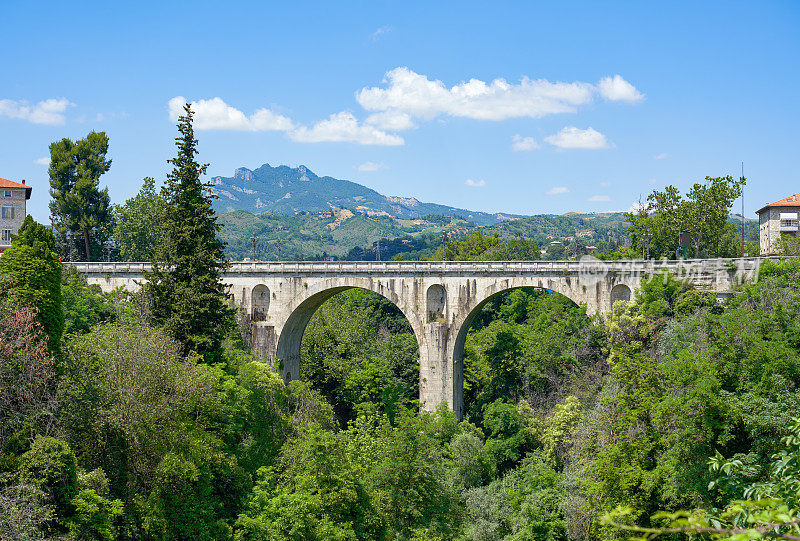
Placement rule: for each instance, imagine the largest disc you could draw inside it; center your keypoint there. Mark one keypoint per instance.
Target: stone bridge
(439, 299)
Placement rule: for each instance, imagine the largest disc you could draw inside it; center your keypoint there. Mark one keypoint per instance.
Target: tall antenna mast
(743, 210)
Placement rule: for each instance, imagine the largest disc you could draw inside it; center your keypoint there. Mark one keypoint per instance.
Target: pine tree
(80, 209)
(185, 288)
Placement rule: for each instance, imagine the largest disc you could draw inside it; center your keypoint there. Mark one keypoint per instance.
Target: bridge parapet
(686, 267)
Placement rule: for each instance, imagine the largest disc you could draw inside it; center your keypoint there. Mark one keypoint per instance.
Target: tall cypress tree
(185, 287)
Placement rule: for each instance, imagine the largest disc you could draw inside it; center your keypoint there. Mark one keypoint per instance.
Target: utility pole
(253, 240)
(378, 250)
(742, 209)
(280, 243)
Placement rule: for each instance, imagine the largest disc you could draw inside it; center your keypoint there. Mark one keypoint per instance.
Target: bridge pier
(263, 340)
(441, 376)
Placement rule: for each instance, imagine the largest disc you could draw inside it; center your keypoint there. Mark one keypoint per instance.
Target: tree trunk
(86, 243)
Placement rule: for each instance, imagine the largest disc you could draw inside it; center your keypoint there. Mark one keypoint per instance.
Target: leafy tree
(352, 338)
(27, 374)
(50, 465)
(767, 509)
(79, 206)
(33, 277)
(138, 223)
(185, 286)
(94, 517)
(508, 439)
(85, 306)
(481, 247)
(24, 512)
(182, 503)
(407, 476)
(703, 212)
(522, 505)
(689, 378)
(318, 494)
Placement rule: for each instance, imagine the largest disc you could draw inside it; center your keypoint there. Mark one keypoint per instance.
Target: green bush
(50, 464)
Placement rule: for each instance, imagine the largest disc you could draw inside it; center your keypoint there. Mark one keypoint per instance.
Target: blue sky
(524, 107)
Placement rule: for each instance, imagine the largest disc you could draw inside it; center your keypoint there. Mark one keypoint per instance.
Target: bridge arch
(303, 307)
(436, 303)
(620, 292)
(259, 303)
(463, 324)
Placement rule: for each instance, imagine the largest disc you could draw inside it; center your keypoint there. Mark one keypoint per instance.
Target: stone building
(13, 198)
(777, 222)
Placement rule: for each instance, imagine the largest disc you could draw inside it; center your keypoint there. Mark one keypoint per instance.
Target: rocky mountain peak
(244, 173)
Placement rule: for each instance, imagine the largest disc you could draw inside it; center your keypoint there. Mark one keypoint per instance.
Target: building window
(5, 235)
(789, 223)
(8, 213)
(7, 193)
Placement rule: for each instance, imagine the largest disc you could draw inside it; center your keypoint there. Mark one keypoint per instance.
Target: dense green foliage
(360, 353)
(480, 247)
(704, 212)
(81, 212)
(31, 276)
(185, 285)
(139, 224)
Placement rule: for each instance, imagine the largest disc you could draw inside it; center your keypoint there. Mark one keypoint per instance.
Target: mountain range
(288, 190)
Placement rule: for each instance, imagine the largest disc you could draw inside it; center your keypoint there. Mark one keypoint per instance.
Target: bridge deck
(636, 267)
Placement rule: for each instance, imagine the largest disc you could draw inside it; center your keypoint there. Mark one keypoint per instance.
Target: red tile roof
(791, 201)
(5, 183)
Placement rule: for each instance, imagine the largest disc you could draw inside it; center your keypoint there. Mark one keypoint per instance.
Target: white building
(778, 221)
(13, 198)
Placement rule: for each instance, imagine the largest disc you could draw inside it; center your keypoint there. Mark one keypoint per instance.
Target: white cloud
(572, 137)
(371, 166)
(618, 89)
(50, 112)
(421, 97)
(523, 144)
(661, 156)
(410, 92)
(605, 184)
(599, 199)
(376, 35)
(45, 160)
(344, 127)
(391, 121)
(215, 114)
(557, 190)
(475, 183)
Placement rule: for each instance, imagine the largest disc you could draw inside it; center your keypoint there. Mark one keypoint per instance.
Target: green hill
(287, 190)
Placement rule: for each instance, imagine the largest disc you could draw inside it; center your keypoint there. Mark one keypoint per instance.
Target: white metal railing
(434, 267)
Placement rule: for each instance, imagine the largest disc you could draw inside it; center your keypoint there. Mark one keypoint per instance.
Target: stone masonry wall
(17, 201)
